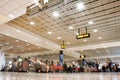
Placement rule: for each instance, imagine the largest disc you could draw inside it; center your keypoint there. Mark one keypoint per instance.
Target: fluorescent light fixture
(95, 30)
(12, 16)
(99, 37)
(71, 27)
(80, 5)
(56, 14)
(90, 22)
(32, 23)
(58, 37)
(49, 32)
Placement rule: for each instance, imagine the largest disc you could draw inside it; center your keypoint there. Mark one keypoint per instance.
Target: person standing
(61, 58)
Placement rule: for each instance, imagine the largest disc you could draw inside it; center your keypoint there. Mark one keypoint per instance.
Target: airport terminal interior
(59, 39)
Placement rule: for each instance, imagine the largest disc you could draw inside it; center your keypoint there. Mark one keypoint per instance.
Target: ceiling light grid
(101, 16)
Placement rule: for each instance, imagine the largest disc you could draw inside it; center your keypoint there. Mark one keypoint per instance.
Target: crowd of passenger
(32, 64)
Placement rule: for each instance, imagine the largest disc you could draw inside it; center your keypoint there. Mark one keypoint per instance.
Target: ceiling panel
(15, 46)
(104, 14)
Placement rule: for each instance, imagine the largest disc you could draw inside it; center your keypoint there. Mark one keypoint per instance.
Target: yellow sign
(81, 36)
(63, 46)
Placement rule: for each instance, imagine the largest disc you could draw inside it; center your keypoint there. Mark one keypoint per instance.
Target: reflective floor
(59, 76)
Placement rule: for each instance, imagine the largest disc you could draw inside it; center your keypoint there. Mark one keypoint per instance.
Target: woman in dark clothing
(65, 67)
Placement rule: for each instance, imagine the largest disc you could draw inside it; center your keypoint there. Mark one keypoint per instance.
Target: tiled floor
(59, 76)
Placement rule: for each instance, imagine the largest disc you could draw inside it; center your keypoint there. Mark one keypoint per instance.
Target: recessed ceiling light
(18, 30)
(99, 37)
(28, 44)
(17, 40)
(84, 40)
(7, 34)
(49, 32)
(12, 16)
(26, 41)
(7, 43)
(36, 38)
(32, 23)
(37, 4)
(18, 46)
(1, 44)
(46, 42)
(90, 22)
(77, 33)
(58, 37)
(56, 14)
(11, 47)
(68, 42)
(29, 49)
(95, 30)
(37, 44)
(71, 27)
(80, 5)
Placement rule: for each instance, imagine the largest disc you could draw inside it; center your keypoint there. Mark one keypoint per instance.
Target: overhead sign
(63, 47)
(81, 36)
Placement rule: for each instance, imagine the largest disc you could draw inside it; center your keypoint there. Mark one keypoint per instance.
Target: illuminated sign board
(63, 47)
(81, 36)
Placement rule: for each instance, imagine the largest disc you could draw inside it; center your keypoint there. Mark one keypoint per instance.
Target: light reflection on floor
(59, 76)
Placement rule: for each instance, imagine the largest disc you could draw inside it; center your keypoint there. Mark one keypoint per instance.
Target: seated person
(25, 65)
(52, 67)
(58, 64)
(65, 66)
